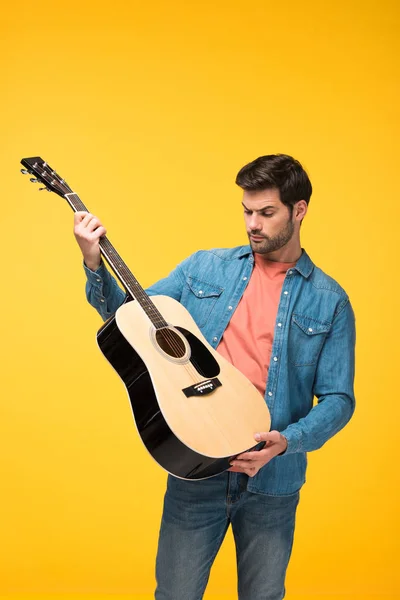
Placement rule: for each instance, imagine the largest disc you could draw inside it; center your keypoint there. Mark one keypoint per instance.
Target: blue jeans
(196, 517)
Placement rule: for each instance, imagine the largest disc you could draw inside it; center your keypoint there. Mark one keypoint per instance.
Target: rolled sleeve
(102, 291)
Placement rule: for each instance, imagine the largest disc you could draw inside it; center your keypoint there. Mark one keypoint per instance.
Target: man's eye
(268, 214)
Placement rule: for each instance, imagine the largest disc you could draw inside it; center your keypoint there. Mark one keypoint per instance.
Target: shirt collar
(304, 265)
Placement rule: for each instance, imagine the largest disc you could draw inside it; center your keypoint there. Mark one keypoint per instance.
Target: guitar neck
(121, 270)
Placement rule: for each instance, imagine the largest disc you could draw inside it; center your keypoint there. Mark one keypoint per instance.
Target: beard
(276, 242)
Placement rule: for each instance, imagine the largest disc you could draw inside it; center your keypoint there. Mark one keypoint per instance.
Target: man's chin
(259, 247)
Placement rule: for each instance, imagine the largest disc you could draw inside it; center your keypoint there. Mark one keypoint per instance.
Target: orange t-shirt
(247, 341)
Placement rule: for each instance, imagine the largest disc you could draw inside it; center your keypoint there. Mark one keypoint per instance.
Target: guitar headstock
(45, 174)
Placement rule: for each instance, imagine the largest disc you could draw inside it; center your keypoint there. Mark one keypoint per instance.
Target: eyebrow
(261, 209)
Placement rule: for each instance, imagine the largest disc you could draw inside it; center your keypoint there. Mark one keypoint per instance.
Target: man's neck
(284, 255)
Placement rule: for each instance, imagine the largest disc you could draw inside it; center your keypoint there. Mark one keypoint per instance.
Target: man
(290, 329)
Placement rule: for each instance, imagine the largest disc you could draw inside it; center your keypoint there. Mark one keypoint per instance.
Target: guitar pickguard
(201, 358)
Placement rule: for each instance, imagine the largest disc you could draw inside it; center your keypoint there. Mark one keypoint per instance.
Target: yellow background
(149, 110)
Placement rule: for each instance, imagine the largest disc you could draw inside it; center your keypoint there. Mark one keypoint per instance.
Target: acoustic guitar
(194, 411)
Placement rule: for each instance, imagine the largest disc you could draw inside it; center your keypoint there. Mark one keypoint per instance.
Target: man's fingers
(260, 455)
(101, 231)
(251, 471)
(79, 216)
(93, 224)
(256, 454)
(88, 226)
(86, 219)
(251, 462)
(246, 464)
(81, 220)
(267, 436)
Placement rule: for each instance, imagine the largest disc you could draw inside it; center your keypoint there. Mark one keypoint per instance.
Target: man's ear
(300, 210)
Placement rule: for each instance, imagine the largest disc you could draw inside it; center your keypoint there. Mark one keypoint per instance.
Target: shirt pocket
(306, 338)
(200, 298)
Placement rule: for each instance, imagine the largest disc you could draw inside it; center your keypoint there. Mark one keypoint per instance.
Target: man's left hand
(251, 462)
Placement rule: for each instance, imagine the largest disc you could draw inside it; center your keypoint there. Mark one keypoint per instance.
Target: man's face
(268, 222)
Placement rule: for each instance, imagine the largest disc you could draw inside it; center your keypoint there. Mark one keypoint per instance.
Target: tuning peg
(25, 171)
(45, 188)
(34, 180)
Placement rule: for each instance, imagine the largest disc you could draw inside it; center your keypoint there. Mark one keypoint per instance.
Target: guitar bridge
(203, 388)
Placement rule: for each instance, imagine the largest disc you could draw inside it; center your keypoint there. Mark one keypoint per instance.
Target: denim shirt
(312, 352)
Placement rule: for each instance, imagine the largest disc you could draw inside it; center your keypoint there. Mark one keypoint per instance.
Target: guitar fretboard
(121, 270)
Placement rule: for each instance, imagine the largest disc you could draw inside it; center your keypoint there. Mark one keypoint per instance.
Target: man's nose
(255, 222)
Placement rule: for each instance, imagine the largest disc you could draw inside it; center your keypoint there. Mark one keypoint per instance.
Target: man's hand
(88, 230)
(251, 462)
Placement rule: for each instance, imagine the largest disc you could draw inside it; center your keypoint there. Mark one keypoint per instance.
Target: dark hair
(276, 171)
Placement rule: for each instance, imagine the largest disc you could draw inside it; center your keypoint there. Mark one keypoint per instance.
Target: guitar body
(192, 408)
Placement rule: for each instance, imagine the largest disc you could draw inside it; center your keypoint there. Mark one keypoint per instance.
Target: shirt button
(98, 279)
(279, 324)
(244, 278)
(290, 272)
(286, 292)
(269, 393)
(215, 339)
(229, 307)
(101, 299)
(310, 329)
(275, 358)
(200, 291)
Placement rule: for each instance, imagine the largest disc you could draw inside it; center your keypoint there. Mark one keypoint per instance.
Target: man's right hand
(88, 230)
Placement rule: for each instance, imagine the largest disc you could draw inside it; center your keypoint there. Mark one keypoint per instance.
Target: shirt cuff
(293, 440)
(97, 278)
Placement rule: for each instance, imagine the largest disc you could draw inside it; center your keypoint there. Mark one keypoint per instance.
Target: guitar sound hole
(170, 342)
